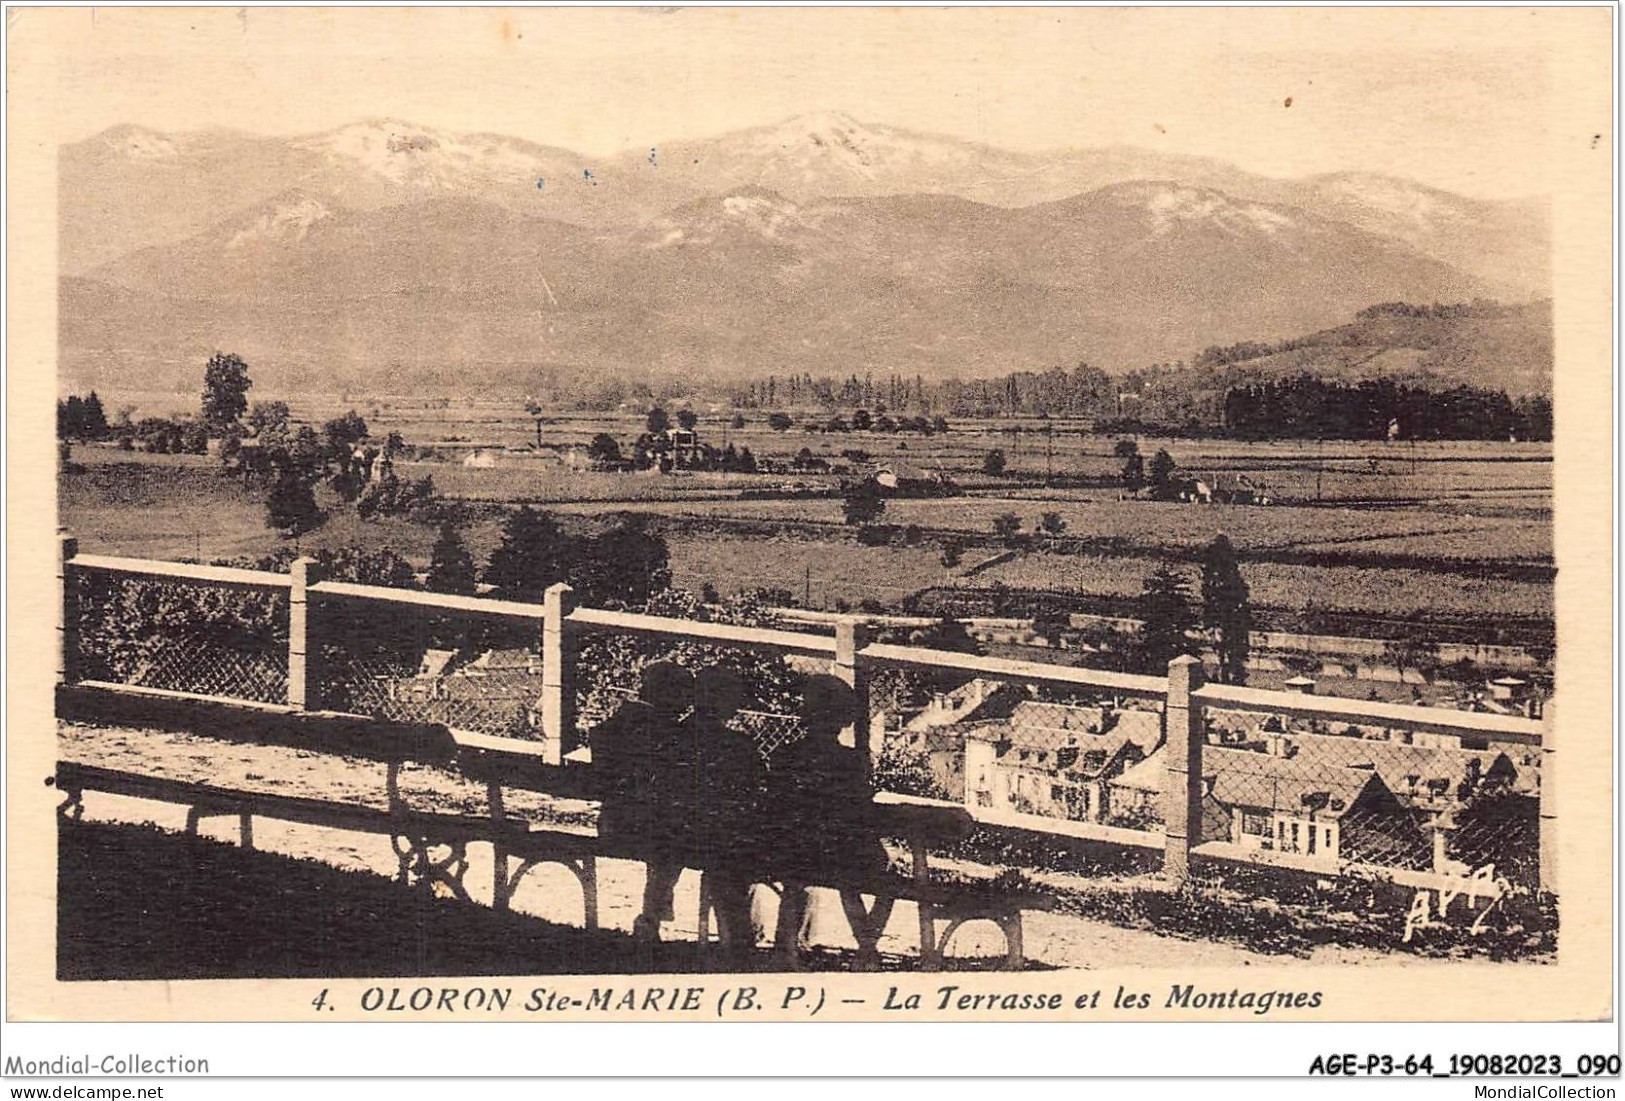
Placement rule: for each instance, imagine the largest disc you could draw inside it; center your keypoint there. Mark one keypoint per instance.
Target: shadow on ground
(138, 902)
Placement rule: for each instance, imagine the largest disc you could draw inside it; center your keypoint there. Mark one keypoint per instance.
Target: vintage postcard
(880, 514)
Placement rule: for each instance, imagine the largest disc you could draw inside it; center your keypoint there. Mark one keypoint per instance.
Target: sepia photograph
(958, 505)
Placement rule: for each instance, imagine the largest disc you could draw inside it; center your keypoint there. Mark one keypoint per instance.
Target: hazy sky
(1455, 98)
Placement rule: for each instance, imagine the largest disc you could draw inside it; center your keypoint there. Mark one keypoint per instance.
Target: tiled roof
(1241, 778)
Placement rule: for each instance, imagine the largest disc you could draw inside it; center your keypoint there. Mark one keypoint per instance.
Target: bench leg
(405, 858)
(418, 867)
(930, 954)
(499, 851)
(1015, 958)
(588, 874)
(792, 908)
(702, 923)
(868, 924)
(585, 869)
(499, 877)
(1009, 924)
(71, 809)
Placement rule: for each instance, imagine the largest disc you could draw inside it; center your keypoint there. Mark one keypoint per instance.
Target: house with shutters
(1306, 804)
(1054, 759)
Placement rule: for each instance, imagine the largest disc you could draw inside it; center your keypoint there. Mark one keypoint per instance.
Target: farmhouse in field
(900, 479)
(672, 448)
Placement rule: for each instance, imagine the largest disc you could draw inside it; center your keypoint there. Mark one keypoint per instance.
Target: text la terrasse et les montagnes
(695, 1000)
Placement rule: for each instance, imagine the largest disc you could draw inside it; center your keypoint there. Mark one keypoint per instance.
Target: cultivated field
(1458, 530)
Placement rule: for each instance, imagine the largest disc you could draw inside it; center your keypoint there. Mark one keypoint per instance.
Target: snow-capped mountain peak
(424, 158)
(140, 144)
(1169, 207)
(282, 222)
(750, 213)
(1408, 204)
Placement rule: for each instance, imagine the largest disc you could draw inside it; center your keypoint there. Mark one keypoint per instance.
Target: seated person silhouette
(818, 808)
(722, 830)
(639, 755)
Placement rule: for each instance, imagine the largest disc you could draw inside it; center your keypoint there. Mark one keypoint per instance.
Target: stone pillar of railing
(67, 610)
(1182, 780)
(558, 674)
(1546, 796)
(851, 635)
(304, 647)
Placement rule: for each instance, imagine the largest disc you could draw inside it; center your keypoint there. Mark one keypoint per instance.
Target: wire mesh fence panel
(1373, 796)
(764, 689)
(405, 664)
(1282, 795)
(1014, 746)
(769, 731)
(912, 712)
(1081, 758)
(1497, 830)
(182, 636)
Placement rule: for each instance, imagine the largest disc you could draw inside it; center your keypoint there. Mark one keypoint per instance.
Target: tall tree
(532, 555)
(1007, 526)
(1166, 620)
(451, 567)
(1412, 653)
(269, 418)
(341, 434)
(93, 425)
(625, 565)
(604, 449)
(862, 502)
(1226, 608)
(1134, 474)
(290, 506)
(225, 391)
(1163, 486)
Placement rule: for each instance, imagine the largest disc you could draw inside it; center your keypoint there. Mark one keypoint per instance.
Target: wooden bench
(413, 834)
(868, 902)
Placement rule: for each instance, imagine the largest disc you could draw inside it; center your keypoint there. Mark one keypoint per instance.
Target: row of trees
(81, 418)
(804, 391)
(1309, 407)
(84, 420)
(1084, 391)
(861, 421)
(624, 565)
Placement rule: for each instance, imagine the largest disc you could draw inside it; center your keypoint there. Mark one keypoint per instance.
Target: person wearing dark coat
(726, 803)
(818, 812)
(644, 781)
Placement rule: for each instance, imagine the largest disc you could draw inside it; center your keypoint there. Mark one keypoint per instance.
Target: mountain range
(394, 255)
